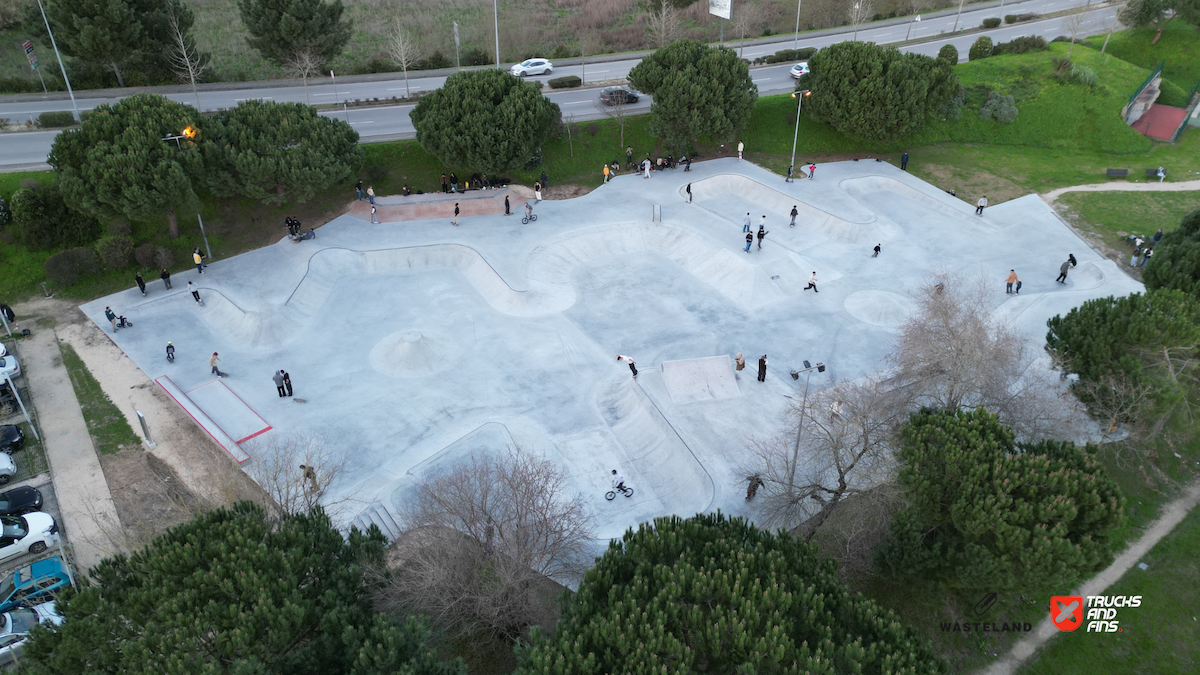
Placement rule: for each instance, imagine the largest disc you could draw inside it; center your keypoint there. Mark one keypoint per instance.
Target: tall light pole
(189, 132)
(61, 67)
(496, 12)
(799, 96)
(344, 108)
(820, 368)
(796, 42)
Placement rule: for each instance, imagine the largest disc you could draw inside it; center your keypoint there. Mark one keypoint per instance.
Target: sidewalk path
(88, 512)
(1182, 186)
(1171, 516)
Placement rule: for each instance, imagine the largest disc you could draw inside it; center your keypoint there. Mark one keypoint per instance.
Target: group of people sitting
(475, 182)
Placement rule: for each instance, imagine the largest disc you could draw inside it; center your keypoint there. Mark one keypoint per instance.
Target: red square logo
(1066, 611)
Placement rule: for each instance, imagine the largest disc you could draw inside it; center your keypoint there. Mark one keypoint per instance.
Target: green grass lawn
(1160, 636)
(1179, 47)
(107, 426)
(1114, 214)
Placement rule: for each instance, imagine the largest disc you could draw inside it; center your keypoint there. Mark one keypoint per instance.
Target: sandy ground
(184, 471)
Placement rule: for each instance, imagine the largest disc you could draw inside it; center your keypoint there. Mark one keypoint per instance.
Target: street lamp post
(820, 368)
(61, 67)
(796, 42)
(344, 108)
(799, 96)
(189, 132)
(496, 14)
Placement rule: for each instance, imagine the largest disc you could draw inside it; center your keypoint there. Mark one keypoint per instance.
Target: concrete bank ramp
(709, 378)
(884, 193)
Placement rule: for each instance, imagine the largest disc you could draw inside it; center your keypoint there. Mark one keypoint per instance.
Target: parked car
(19, 501)
(31, 533)
(37, 582)
(8, 468)
(16, 625)
(532, 67)
(618, 95)
(799, 69)
(9, 366)
(11, 438)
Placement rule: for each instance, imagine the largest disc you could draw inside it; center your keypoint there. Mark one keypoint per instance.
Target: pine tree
(106, 32)
(700, 92)
(117, 163)
(277, 152)
(987, 512)
(1176, 261)
(279, 29)
(718, 595)
(233, 592)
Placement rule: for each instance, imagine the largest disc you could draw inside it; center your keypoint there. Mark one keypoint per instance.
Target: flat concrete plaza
(417, 343)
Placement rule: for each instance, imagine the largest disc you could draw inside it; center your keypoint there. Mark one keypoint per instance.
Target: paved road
(28, 150)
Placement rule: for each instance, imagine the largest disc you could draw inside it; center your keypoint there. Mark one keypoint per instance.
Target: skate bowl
(854, 224)
(883, 194)
(709, 378)
(879, 308)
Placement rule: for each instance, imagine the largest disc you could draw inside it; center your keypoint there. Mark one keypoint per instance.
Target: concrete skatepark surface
(416, 344)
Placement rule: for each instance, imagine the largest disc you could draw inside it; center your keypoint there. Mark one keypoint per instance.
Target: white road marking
(366, 122)
(576, 103)
(256, 98)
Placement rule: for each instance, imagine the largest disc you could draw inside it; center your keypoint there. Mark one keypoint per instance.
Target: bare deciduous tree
(185, 61)
(915, 7)
(845, 444)
(589, 43)
(403, 51)
(855, 530)
(303, 64)
(618, 111)
(747, 20)
(296, 471)
(481, 539)
(664, 26)
(954, 354)
(1074, 24)
(860, 12)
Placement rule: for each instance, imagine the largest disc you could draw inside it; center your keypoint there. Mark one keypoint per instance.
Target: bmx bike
(612, 494)
(527, 219)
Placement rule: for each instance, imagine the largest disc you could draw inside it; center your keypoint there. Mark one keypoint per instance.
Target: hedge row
(565, 82)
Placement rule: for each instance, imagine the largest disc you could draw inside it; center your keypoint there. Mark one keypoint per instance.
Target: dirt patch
(970, 186)
(148, 495)
(1086, 232)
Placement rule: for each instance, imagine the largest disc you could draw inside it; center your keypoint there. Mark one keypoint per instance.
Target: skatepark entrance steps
(378, 515)
(222, 414)
(709, 378)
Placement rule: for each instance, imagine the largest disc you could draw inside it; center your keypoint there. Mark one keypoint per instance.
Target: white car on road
(31, 533)
(532, 67)
(799, 69)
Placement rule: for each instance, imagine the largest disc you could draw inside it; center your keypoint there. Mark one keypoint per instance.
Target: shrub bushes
(476, 57)
(152, 257)
(565, 82)
(5, 215)
(981, 49)
(1021, 45)
(1002, 109)
(56, 119)
(1084, 75)
(991, 23)
(71, 266)
(785, 55)
(949, 54)
(435, 62)
(116, 252)
(1010, 18)
(43, 220)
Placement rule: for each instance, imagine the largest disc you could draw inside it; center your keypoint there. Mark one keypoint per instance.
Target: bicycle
(528, 218)
(612, 494)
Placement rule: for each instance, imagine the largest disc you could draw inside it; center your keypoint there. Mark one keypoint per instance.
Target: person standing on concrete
(762, 369)
(1018, 289)
(749, 240)
(371, 194)
(789, 175)
(646, 166)
(358, 191)
(812, 283)
(166, 277)
(374, 218)
(1012, 278)
(762, 233)
(878, 248)
(980, 205)
(198, 258)
(689, 193)
(287, 381)
(762, 222)
(794, 214)
(689, 164)
(453, 182)
(739, 365)
(112, 317)
(631, 362)
(455, 221)
(170, 352)
(741, 146)
(904, 161)
(606, 170)
(812, 169)
(278, 377)
(1062, 272)
(1146, 257)
(212, 361)
(537, 192)
(746, 223)
(195, 291)
(507, 207)
(141, 283)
